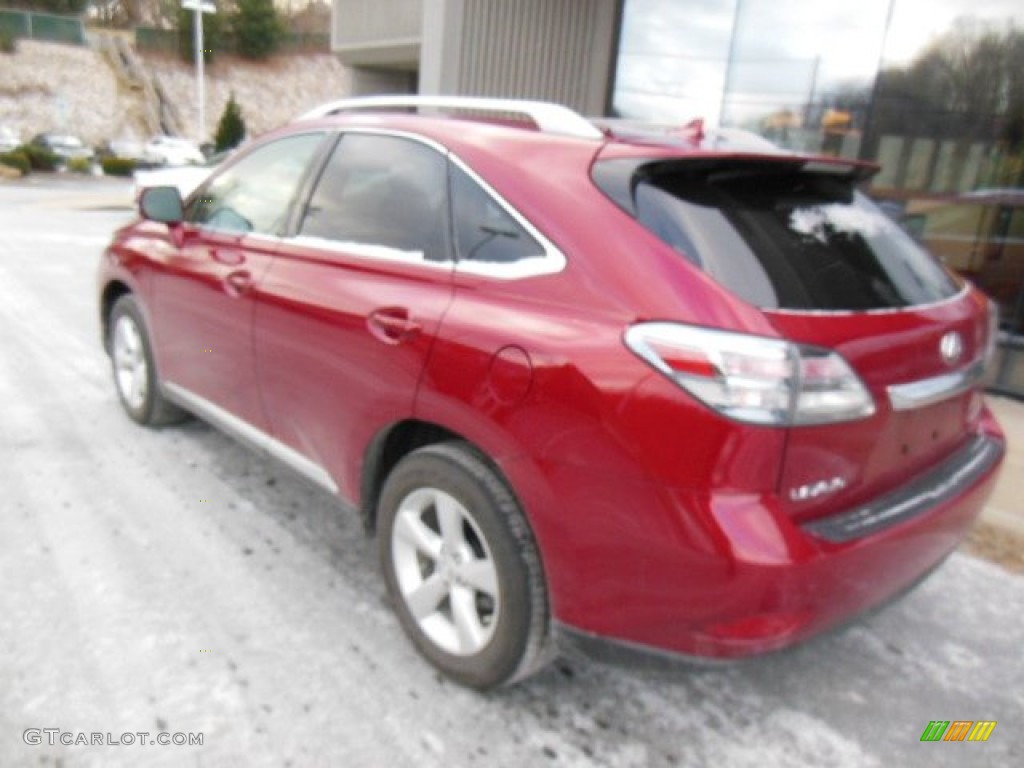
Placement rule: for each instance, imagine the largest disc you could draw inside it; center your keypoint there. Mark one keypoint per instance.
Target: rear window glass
(791, 240)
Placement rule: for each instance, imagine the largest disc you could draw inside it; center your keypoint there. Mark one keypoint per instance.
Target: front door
(203, 291)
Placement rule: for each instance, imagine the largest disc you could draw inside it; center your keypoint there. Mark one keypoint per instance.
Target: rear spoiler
(619, 177)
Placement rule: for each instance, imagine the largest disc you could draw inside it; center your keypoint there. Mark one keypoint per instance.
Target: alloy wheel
(445, 572)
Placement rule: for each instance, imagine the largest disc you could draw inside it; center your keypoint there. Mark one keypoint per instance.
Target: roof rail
(696, 132)
(548, 117)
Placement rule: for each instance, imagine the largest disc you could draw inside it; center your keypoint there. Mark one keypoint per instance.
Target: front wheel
(135, 378)
(462, 568)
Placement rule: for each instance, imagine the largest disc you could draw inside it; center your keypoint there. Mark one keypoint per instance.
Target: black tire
(135, 375)
(492, 537)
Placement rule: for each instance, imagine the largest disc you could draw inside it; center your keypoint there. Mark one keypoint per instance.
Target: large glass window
(671, 57)
(935, 87)
(382, 192)
(254, 195)
(931, 91)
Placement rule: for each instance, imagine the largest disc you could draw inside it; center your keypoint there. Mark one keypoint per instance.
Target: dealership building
(931, 90)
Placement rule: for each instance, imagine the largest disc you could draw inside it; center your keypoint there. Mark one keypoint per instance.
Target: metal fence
(153, 40)
(42, 26)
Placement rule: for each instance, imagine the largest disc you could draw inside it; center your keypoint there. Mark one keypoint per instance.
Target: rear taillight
(753, 378)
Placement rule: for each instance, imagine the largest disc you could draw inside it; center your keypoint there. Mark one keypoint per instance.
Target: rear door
(347, 314)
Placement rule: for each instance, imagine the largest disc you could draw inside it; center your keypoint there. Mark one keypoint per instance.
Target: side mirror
(161, 204)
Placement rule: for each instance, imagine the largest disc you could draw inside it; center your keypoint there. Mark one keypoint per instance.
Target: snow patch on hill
(53, 87)
(269, 93)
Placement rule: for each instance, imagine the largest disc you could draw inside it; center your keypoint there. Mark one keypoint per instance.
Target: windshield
(791, 240)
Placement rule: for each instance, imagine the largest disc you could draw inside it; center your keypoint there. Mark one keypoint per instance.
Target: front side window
(254, 194)
(381, 195)
(791, 240)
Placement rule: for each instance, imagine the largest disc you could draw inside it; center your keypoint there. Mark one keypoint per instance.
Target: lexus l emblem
(951, 347)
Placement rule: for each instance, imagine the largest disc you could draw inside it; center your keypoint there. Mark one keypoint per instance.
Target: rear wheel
(462, 568)
(135, 377)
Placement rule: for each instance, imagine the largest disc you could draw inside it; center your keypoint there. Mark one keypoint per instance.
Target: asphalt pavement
(171, 582)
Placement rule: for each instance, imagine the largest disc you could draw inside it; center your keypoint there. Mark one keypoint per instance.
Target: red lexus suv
(675, 390)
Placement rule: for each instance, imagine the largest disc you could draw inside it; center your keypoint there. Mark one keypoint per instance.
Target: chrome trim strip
(260, 237)
(257, 236)
(533, 266)
(372, 252)
(925, 392)
(856, 312)
(246, 433)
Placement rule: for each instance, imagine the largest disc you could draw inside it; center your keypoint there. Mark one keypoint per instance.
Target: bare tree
(968, 83)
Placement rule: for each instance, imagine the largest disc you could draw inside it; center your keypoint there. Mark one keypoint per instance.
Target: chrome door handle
(229, 257)
(238, 282)
(392, 325)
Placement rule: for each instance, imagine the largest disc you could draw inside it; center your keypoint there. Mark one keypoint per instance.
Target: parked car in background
(65, 146)
(185, 178)
(9, 139)
(170, 150)
(660, 390)
(124, 149)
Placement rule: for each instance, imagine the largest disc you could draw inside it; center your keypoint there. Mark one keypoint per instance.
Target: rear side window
(484, 230)
(791, 240)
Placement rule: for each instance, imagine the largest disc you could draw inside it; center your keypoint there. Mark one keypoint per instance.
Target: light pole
(199, 7)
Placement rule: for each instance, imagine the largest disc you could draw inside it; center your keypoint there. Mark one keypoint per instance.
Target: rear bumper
(945, 483)
(614, 651)
(731, 575)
